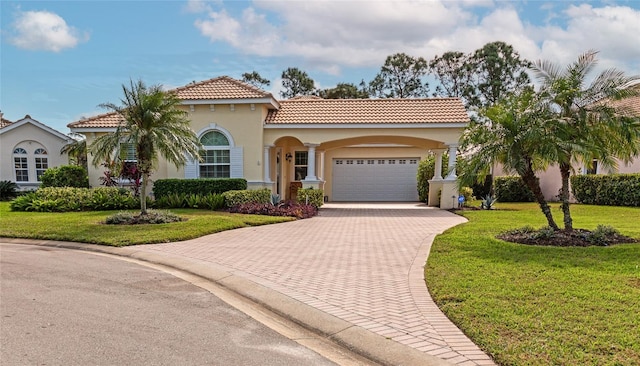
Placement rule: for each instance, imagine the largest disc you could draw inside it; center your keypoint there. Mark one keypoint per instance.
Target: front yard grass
(534, 305)
(88, 227)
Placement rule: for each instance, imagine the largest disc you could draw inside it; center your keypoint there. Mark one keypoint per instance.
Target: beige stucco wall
(30, 138)
(242, 123)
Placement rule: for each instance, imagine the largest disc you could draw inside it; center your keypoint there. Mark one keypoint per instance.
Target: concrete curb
(359, 340)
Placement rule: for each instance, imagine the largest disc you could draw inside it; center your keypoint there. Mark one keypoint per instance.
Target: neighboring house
(550, 180)
(28, 148)
(354, 149)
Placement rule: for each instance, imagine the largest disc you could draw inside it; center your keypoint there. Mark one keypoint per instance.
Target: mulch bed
(562, 238)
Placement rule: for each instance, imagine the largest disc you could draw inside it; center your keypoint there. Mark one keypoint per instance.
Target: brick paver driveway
(362, 263)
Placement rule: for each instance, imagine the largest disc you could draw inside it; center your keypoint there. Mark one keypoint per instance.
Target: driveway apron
(363, 263)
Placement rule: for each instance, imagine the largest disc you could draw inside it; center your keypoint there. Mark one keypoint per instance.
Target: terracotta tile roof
(629, 106)
(106, 120)
(222, 87)
(4, 122)
(341, 111)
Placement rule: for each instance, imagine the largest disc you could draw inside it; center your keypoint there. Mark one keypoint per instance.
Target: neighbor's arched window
(20, 164)
(215, 157)
(42, 162)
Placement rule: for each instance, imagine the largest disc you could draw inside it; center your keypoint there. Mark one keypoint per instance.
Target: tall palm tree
(154, 125)
(585, 121)
(511, 132)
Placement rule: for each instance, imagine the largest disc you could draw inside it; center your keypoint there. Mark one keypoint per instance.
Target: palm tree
(584, 120)
(511, 132)
(154, 125)
(77, 150)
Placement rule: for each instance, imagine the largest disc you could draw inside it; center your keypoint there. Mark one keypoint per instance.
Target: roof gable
(222, 87)
(368, 111)
(105, 120)
(28, 120)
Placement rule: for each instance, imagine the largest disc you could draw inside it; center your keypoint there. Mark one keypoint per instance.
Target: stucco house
(353, 149)
(28, 148)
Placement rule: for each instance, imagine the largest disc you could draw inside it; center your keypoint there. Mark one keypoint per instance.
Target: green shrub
(233, 198)
(173, 200)
(467, 193)
(213, 201)
(8, 190)
(607, 190)
(512, 189)
(203, 187)
(311, 196)
(602, 234)
(192, 200)
(426, 171)
(65, 176)
(64, 199)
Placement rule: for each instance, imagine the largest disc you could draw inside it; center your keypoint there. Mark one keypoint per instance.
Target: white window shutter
(237, 162)
(191, 169)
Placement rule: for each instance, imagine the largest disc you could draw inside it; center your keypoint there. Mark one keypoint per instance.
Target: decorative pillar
(321, 174)
(453, 151)
(311, 162)
(267, 163)
(438, 164)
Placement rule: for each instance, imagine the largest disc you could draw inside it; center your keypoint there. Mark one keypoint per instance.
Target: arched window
(215, 157)
(42, 162)
(20, 164)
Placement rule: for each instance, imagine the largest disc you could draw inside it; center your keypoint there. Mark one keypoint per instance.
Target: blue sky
(60, 59)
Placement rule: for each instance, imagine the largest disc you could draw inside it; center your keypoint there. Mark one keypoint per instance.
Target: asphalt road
(65, 307)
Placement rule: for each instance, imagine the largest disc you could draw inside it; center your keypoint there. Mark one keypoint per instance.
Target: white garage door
(361, 180)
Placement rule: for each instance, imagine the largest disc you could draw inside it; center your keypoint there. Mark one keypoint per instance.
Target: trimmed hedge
(314, 197)
(64, 199)
(512, 189)
(203, 187)
(234, 198)
(65, 176)
(607, 190)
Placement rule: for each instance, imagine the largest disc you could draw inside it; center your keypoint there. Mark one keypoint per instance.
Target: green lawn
(87, 227)
(532, 305)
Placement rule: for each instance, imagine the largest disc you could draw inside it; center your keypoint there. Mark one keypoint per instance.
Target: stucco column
(311, 162)
(321, 174)
(267, 163)
(437, 175)
(453, 152)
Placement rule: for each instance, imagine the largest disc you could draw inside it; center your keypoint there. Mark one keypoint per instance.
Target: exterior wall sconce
(288, 157)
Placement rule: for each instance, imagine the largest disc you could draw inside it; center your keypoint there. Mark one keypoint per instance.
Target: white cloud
(200, 6)
(330, 35)
(615, 31)
(46, 31)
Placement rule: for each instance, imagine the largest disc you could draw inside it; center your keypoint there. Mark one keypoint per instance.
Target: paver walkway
(362, 263)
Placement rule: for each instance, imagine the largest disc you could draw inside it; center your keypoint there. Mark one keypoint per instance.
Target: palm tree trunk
(143, 194)
(533, 183)
(565, 171)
